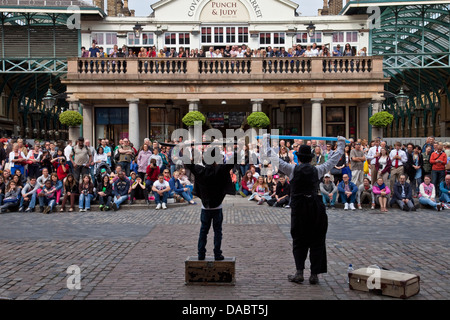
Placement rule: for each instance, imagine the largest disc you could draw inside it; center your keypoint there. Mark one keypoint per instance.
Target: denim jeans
(445, 197)
(427, 202)
(125, 167)
(121, 200)
(85, 201)
(186, 195)
(159, 199)
(346, 199)
(216, 217)
(44, 201)
(32, 201)
(326, 199)
(436, 178)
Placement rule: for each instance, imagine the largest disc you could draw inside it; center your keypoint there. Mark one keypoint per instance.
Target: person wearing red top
(63, 170)
(247, 183)
(152, 174)
(438, 160)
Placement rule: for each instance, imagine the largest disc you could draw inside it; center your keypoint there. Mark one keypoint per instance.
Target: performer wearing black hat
(309, 221)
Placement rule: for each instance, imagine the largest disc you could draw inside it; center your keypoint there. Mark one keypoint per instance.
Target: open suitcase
(384, 282)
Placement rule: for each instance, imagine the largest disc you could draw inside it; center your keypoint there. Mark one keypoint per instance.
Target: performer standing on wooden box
(212, 184)
(309, 221)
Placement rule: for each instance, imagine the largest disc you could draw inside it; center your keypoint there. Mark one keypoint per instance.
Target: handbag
(366, 167)
(335, 171)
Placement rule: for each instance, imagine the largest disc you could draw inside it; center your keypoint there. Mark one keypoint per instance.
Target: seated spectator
(58, 186)
(365, 192)
(161, 189)
(138, 191)
(347, 191)
(445, 192)
(12, 197)
(71, 191)
(166, 174)
(177, 188)
(105, 193)
(185, 180)
(402, 194)
(120, 190)
(2, 189)
(43, 178)
(381, 192)
(260, 191)
(247, 183)
(86, 189)
(329, 191)
(427, 194)
(29, 195)
(47, 197)
(152, 174)
(281, 194)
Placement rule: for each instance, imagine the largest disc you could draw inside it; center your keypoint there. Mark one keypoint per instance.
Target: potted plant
(258, 120)
(73, 120)
(190, 119)
(379, 121)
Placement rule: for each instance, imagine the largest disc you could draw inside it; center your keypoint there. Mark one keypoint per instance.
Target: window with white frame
(273, 39)
(352, 36)
(303, 37)
(224, 35)
(107, 40)
(176, 40)
(145, 39)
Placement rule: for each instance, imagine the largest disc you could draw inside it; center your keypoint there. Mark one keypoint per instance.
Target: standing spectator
(318, 158)
(34, 158)
(357, 160)
(416, 170)
(426, 155)
(383, 165)
(398, 159)
(82, 157)
(152, 173)
(105, 193)
(329, 191)
(158, 159)
(100, 159)
(365, 192)
(107, 151)
(126, 155)
(121, 188)
(161, 189)
(429, 143)
(68, 153)
(381, 193)
(87, 143)
(347, 191)
(372, 154)
(17, 158)
(427, 194)
(86, 189)
(438, 161)
(447, 152)
(71, 191)
(402, 194)
(29, 195)
(143, 160)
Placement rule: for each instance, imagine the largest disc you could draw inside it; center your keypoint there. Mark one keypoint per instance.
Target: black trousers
(216, 218)
(139, 193)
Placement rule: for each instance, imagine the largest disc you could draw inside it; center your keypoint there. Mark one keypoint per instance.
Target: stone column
(133, 121)
(88, 123)
(316, 117)
(257, 105)
(377, 103)
(363, 108)
(193, 104)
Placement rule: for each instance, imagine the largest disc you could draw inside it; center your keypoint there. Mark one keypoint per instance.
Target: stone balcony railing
(226, 69)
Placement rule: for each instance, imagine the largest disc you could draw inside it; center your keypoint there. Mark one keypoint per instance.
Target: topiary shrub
(71, 118)
(381, 119)
(258, 120)
(191, 117)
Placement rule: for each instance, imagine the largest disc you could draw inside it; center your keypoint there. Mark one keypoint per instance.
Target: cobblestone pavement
(140, 253)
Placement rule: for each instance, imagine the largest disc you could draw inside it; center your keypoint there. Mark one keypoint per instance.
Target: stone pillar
(377, 103)
(257, 105)
(193, 104)
(88, 123)
(363, 120)
(316, 117)
(133, 121)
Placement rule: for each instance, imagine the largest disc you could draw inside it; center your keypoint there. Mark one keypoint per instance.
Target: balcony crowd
(76, 174)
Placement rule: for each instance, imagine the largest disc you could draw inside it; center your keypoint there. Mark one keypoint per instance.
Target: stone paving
(139, 253)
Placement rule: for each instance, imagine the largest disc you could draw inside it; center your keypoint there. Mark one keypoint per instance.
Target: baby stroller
(98, 171)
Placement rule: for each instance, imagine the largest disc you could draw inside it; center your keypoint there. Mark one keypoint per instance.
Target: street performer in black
(309, 221)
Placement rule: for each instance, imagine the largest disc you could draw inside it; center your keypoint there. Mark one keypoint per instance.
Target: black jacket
(397, 192)
(108, 191)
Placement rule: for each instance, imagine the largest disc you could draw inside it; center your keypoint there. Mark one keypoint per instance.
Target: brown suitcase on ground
(209, 271)
(384, 282)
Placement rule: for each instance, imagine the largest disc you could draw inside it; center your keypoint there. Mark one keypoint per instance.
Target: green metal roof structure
(414, 38)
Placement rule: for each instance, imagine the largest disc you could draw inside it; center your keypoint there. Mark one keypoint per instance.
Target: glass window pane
(336, 114)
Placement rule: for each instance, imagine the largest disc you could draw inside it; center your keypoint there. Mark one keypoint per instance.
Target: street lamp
(402, 98)
(137, 30)
(311, 28)
(49, 100)
(282, 105)
(169, 106)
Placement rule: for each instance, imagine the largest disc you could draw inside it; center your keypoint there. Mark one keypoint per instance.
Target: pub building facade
(147, 97)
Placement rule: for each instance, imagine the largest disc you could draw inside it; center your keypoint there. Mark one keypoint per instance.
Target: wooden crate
(391, 283)
(209, 271)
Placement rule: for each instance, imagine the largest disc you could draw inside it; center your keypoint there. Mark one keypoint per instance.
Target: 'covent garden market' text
(194, 5)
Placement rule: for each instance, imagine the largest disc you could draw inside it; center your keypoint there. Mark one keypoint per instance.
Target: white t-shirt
(161, 186)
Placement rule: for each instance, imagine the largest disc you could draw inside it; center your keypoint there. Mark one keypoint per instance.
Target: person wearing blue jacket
(347, 191)
(120, 190)
(177, 187)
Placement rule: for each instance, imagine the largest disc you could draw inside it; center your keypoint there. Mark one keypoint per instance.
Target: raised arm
(333, 159)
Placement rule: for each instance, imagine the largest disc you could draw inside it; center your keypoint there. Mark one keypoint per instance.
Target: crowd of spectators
(53, 176)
